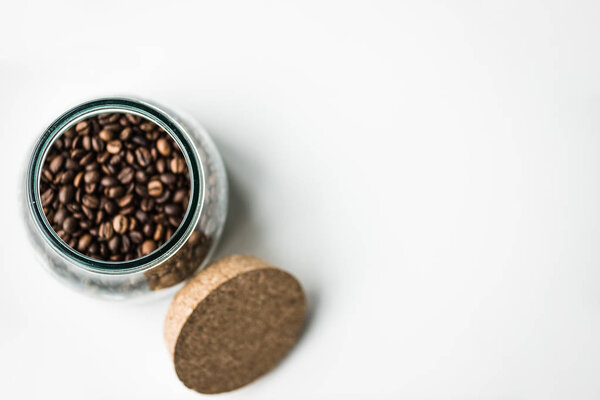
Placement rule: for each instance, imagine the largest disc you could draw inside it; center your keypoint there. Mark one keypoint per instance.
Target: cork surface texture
(232, 323)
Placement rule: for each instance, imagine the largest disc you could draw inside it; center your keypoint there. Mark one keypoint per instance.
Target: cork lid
(233, 322)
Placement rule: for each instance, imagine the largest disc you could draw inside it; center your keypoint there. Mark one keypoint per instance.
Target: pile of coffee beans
(115, 186)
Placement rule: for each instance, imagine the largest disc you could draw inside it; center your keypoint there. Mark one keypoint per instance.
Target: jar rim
(147, 111)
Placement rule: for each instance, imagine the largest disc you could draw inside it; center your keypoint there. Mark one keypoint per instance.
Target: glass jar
(187, 250)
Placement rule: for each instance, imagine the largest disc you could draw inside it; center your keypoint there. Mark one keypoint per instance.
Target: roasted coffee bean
(120, 223)
(136, 237)
(109, 181)
(114, 243)
(126, 175)
(143, 156)
(66, 193)
(125, 200)
(91, 177)
(105, 231)
(114, 192)
(155, 188)
(56, 163)
(114, 147)
(177, 165)
(90, 201)
(84, 241)
(105, 135)
(163, 146)
(82, 128)
(70, 224)
(168, 179)
(173, 209)
(148, 247)
(114, 186)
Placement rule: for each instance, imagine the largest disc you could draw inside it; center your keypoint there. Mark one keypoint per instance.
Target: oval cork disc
(233, 322)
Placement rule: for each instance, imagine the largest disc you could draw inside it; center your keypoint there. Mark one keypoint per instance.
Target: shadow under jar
(189, 246)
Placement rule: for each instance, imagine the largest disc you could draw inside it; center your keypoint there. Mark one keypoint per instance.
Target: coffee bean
(90, 201)
(143, 156)
(125, 200)
(115, 191)
(125, 244)
(136, 237)
(126, 175)
(91, 177)
(114, 243)
(105, 231)
(161, 165)
(163, 146)
(56, 163)
(109, 181)
(86, 159)
(126, 134)
(70, 224)
(84, 241)
(177, 165)
(114, 146)
(120, 223)
(173, 209)
(133, 119)
(47, 197)
(180, 195)
(82, 128)
(148, 247)
(105, 135)
(168, 179)
(65, 194)
(155, 188)
(60, 216)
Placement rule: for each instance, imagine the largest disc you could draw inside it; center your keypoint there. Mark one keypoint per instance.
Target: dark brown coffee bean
(66, 193)
(70, 224)
(161, 165)
(163, 146)
(140, 190)
(143, 156)
(139, 140)
(105, 135)
(90, 188)
(168, 179)
(155, 188)
(85, 224)
(89, 214)
(174, 221)
(110, 207)
(47, 197)
(127, 210)
(87, 159)
(114, 243)
(146, 126)
(148, 229)
(60, 215)
(114, 192)
(97, 144)
(148, 247)
(173, 209)
(164, 197)
(71, 164)
(114, 146)
(56, 163)
(120, 223)
(141, 216)
(108, 181)
(86, 143)
(84, 242)
(158, 232)
(125, 200)
(136, 237)
(146, 204)
(82, 128)
(177, 165)
(133, 119)
(126, 175)
(125, 244)
(105, 232)
(132, 223)
(103, 157)
(91, 176)
(180, 195)
(126, 134)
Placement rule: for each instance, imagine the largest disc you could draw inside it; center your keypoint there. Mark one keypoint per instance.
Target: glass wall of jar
(191, 244)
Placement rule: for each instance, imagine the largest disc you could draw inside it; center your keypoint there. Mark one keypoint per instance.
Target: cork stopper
(232, 323)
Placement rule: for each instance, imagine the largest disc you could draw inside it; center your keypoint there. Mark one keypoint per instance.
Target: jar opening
(126, 106)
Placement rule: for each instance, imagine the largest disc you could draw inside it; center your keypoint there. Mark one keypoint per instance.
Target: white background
(428, 170)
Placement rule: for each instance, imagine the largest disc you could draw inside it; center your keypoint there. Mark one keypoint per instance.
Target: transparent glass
(189, 248)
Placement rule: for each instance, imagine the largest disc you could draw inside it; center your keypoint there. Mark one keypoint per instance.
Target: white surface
(429, 170)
